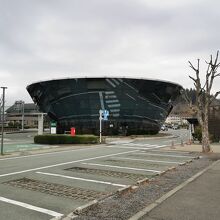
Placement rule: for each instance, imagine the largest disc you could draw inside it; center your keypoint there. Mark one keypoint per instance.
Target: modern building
(20, 110)
(136, 106)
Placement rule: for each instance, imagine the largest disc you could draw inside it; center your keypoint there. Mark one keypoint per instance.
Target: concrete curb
(126, 189)
(169, 194)
(142, 182)
(82, 208)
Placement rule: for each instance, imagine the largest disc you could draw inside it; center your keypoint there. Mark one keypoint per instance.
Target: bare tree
(204, 97)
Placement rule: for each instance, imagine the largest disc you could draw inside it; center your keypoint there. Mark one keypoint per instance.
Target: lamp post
(3, 117)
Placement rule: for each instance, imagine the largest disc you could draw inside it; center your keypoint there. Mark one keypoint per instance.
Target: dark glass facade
(136, 105)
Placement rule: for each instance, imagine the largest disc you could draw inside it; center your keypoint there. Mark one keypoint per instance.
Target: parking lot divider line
(82, 179)
(165, 155)
(155, 161)
(31, 207)
(119, 167)
(65, 163)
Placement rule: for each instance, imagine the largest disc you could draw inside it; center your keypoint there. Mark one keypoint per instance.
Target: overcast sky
(47, 39)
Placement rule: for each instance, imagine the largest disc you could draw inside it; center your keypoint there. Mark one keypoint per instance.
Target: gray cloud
(44, 39)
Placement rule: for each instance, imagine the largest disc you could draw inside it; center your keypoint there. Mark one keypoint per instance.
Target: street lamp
(3, 116)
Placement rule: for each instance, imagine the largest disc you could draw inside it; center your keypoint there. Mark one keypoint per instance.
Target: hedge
(65, 139)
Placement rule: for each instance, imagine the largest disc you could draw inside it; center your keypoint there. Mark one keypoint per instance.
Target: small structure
(25, 112)
(214, 121)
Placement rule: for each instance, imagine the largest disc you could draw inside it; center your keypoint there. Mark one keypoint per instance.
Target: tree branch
(193, 78)
(214, 97)
(216, 94)
(191, 66)
(217, 75)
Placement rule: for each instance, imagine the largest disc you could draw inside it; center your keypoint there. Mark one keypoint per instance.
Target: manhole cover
(56, 189)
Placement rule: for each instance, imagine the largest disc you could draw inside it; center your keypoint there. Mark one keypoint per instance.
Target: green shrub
(65, 139)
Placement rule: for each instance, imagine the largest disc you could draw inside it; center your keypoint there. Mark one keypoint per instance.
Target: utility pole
(22, 121)
(3, 117)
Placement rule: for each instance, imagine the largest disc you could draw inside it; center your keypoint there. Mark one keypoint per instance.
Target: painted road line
(165, 155)
(135, 144)
(82, 179)
(65, 163)
(31, 207)
(143, 145)
(139, 148)
(169, 141)
(120, 141)
(45, 154)
(119, 167)
(154, 161)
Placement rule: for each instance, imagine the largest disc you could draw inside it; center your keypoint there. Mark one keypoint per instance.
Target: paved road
(25, 141)
(43, 186)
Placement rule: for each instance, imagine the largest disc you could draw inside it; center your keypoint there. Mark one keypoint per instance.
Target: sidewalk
(215, 148)
(198, 200)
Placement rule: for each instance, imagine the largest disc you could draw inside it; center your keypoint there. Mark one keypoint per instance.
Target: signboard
(104, 114)
(53, 127)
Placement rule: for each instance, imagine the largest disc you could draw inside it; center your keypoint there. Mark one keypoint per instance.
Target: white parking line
(82, 179)
(164, 155)
(65, 163)
(119, 167)
(31, 207)
(155, 161)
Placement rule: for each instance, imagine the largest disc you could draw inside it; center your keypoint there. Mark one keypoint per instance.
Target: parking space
(54, 189)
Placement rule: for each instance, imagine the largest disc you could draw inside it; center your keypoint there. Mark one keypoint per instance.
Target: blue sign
(105, 115)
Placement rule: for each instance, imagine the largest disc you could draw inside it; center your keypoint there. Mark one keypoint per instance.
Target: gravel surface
(120, 207)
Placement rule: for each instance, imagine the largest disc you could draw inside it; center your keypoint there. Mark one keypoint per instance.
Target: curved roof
(100, 77)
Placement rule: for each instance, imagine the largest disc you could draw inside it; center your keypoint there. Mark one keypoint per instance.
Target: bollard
(182, 144)
(172, 145)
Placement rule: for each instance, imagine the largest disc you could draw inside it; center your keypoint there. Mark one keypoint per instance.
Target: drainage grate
(56, 189)
(108, 173)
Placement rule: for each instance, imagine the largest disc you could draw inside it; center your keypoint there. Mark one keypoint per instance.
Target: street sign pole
(100, 126)
(22, 120)
(3, 118)
(103, 115)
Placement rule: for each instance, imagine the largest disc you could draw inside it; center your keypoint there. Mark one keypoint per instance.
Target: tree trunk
(205, 137)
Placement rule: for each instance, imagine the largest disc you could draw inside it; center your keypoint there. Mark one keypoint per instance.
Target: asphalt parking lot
(48, 185)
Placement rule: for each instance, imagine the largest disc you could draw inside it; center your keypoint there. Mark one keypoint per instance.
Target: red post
(73, 131)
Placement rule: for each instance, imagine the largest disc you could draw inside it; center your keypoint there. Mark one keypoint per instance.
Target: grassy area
(65, 139)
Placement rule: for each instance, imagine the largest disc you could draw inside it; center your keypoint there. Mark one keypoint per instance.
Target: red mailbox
(73, 131)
